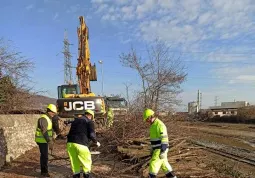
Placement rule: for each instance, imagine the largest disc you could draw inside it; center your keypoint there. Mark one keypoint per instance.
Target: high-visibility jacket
(110, 113)
(110, 117)
(39, 138)
(158, 135)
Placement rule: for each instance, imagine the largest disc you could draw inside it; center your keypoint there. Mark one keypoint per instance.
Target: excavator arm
(84, 70)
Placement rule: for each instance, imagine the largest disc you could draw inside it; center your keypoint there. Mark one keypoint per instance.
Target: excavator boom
(85, 71)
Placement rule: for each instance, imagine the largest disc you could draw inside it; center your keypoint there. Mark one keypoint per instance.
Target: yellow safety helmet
(90, 112)
(147, 113)
(52, 108)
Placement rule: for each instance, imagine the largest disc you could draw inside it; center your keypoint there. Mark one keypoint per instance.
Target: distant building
(192, 107)
(228, 108)
(235, 104)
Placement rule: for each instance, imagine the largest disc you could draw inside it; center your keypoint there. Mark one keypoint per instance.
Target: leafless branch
(15, 91)
(161, 75)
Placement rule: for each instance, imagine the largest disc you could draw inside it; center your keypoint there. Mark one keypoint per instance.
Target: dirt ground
(187, 158)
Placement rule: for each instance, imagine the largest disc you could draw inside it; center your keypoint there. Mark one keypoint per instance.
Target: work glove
(98, 144)
(67, 122)
(51, 144)
(162, 155)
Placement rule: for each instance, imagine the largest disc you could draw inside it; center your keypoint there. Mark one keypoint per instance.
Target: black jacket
(82, 131)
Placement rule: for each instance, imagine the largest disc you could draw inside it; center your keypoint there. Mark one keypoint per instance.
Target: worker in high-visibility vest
(159, 145)
(110, 116)
(43, 136)
(80, 134)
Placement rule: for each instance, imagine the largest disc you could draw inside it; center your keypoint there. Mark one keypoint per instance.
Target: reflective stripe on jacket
(158, 134)
(39, 138)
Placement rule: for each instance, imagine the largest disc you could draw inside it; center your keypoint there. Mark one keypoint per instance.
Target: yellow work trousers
(156, 163)
(79, 156)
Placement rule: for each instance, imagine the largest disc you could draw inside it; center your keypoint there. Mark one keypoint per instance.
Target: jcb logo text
(79, 105)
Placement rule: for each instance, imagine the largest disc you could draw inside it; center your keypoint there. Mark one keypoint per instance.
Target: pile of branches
(246, 114)
(129, 138)
(130, 127)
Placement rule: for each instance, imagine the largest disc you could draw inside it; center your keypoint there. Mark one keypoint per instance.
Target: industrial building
(195, 106)
(228, 108)
(192, 107)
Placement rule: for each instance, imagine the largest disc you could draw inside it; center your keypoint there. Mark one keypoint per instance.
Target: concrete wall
(224, 113)
(16, 136)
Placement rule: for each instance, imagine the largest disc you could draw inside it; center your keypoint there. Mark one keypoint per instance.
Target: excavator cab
(65, 90)
(118, 105)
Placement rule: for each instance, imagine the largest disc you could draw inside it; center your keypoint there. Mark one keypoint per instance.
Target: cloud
(51, 1)
(184, 21)
(29, 7)
(55, 16)
(243, 79)
(125, 41)
(236, 74)
(221, 30)
(226, 57)
(74, 8)
(41, 10)
(97, 1)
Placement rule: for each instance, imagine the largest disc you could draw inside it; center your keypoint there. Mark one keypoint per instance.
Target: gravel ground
(187, 160)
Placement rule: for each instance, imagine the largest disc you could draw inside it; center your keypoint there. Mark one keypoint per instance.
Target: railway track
(226, 154)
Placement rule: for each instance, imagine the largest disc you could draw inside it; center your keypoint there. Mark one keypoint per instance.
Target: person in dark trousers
(44, 136)
(80, 134)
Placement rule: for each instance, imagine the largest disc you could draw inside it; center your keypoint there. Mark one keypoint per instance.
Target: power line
(213, 54)
(208, 52)
(220, 62)
(207, 61)
(216, 101)
(127, 85)
(188, 77)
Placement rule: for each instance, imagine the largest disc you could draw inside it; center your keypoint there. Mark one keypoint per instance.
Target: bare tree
(133, 61)
(14, 78)
(161, 75)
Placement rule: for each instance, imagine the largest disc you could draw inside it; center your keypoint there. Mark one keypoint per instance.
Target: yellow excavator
(73, 99)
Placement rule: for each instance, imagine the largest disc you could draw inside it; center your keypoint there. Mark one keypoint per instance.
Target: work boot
(87, 175)
(171, 175)
(77, 175)
(45, 174)
(152, 176)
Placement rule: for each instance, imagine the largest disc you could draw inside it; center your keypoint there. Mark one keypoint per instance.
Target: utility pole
(102, 73)
(198, 101)
(216, 100)
(68, 77)
(200, 107)
(127, 91)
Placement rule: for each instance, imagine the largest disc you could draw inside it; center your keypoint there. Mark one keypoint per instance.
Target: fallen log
(175, 147)
(133, 152)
